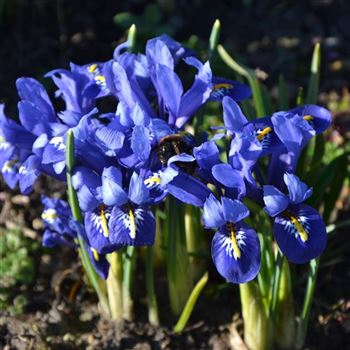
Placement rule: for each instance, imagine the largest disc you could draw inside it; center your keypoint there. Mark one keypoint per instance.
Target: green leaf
(191, 302)
(250, 75)
(312, 91)
(214, 37)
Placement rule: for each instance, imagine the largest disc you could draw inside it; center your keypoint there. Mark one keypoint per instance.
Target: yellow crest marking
(222, 86)
(263, 133)
(95, 254)
(302, 233)
(49, 214)
(132, 224)
(152, 180)
(236, 250)
(104, 222)
(100, 79)
(92, 68)
(308, 118)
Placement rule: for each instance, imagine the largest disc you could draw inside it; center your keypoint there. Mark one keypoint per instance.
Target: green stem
(128, 266)
(275, 286)
(114, 285)
(93, 277)
(179, 281)
(151, 294)
(250, 75)
(305, 315)
(186, 313)
(257, 325)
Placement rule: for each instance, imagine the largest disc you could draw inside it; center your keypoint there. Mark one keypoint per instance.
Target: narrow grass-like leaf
(97, 283)
(191, 302)
(250, 75)
(214, 37)
(312, 91)
(132, 38)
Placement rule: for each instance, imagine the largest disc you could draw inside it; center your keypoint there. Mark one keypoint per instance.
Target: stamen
(92, 68)
(104, 222)
(263, 133)
(222, 86)
(299, 227)
(132, 224)
(100, 79)
(308, 118)
(95, 254)
(49, 215)
(236, 250)
(152, 180)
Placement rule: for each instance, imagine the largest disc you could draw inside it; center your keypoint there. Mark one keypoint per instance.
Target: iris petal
(132, 226)
(300, 233)
(212, 213)
(275, 200)
(298, 191)
(234, 269)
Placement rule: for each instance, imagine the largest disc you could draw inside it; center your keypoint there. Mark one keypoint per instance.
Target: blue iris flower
(235, 246)
(57, 217)
(298, 228)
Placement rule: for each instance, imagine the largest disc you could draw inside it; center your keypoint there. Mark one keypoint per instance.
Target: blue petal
(31, 90)
(318, 117)
(33, 119)
(212, 213)
(99, 262)
(157, 52)
(140, 142)
(138, 192)
(275, 200)
(52, 239)
(207, 155)
(97, 229)
(9, 171)
(196, 96)
(234, 118)
(160, 128)
(28, 173)
(170, 89)
(188, 190)
(298, 246)
(233, 210)
(112, 190)
(229, 177)
(183, 157)
(236, 269)
(87, 198)
(298, 191)
(139, 116)
(132, 226)
(225, 87)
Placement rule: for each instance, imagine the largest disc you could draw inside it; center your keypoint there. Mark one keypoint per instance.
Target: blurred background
(274, 36)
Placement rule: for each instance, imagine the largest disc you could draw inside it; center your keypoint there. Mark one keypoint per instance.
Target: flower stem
(97, 283)
(305, 314)
(275, 286)
(128, 269)
(114, 285)
(151, 294)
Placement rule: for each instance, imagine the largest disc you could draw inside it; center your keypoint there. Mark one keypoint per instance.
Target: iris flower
(298, 228)
(235, 247)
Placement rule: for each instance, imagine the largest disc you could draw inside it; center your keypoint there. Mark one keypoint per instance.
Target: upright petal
(213, 215)
(234, 118)
(275, 200)
(298, 191)
(234, 210)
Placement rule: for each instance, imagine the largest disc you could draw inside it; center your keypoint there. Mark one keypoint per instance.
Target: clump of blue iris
(119, 177)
